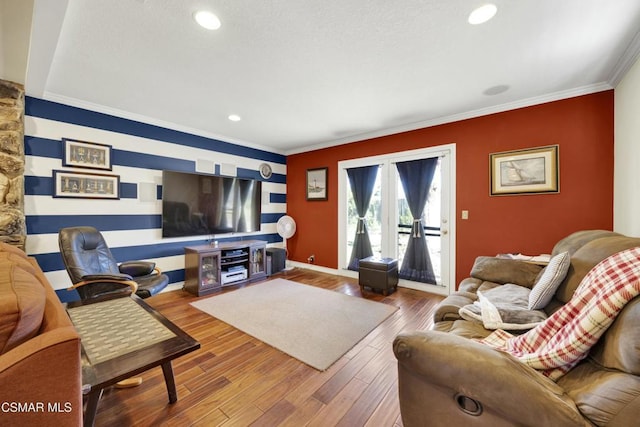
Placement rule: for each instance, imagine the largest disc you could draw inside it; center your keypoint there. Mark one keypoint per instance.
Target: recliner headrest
(91, 238)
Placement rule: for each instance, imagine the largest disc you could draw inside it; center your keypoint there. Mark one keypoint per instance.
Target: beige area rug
(314, 325)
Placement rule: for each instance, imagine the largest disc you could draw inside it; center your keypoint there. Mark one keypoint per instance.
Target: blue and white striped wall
(132, 224)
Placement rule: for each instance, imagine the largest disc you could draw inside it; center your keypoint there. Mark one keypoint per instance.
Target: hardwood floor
(236, 380)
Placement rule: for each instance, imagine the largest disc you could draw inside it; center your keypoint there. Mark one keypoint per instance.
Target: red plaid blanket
(558, 344)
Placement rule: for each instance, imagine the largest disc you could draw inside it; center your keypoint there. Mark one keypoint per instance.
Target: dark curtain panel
(362, 181)
(416, 177)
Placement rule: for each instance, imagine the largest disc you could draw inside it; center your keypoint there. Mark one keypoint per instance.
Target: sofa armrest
(504, 270)
(440, 372)
(46, 371)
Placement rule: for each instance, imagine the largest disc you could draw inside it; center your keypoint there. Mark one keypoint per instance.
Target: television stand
(208, 268)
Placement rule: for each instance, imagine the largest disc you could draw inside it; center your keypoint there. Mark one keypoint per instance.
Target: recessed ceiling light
(207, 20)
(482, 14)
(234, 118)
(496, 90)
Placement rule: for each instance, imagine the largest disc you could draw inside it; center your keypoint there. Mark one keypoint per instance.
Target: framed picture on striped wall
(85, 185)
(84, 154)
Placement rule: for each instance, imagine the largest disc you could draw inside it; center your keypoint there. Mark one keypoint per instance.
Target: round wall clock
(265, 171)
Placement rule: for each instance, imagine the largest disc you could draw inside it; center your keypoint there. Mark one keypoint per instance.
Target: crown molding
(556, 96)
(626, 61)
(74, 102)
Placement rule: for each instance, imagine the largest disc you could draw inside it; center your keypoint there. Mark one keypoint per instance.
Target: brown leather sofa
(40, 361)
(448, 379)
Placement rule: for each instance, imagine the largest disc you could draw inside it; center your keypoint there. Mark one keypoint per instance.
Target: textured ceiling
(304, 74)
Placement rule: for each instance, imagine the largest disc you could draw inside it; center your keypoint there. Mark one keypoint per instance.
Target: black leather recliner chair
(95, 273)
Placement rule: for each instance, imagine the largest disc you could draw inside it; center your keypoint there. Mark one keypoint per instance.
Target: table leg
(92, 407)
(167, 370)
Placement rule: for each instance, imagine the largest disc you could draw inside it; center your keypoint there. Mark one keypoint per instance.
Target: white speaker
(147, 192)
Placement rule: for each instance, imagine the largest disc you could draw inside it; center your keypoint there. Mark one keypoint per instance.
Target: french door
(389, 222)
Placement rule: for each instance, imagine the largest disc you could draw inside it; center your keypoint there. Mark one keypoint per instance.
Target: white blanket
(503, 307)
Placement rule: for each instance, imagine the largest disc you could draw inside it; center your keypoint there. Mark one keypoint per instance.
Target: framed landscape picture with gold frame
(529, 171)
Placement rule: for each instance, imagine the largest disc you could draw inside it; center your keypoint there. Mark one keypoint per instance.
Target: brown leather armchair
(94, 271)
(447, 379)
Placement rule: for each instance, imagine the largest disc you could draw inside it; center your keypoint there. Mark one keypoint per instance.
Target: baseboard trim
(432, 289)
(314, 267)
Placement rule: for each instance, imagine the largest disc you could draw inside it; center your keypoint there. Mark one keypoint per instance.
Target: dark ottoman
(378, 274)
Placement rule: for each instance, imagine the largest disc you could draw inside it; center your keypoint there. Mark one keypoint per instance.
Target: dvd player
(234, 275)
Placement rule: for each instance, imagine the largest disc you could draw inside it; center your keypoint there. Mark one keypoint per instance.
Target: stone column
(12, 219)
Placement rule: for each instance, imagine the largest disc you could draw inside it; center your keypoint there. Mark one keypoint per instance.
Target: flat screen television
(196, 204)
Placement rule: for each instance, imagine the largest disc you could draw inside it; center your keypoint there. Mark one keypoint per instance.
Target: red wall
(531, 224)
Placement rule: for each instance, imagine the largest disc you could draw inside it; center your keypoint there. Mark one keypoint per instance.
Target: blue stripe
(150, 161)
(36, 107)
(53, 261)
(67, 296)
(277, 198)
(128, 190)
(42, 147)
(46, 224)
(270, 218)
(50, 262)
(38, 186)
(279, 178)
(175, 276)
(43, 186)
(253, 174)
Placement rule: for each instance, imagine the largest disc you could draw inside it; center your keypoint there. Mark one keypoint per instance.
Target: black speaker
(278, 258)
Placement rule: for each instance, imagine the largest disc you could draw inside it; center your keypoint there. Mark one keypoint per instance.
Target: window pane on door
(373, 219)
(430, 220)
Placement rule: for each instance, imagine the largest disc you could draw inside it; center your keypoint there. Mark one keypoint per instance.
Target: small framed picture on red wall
(317, 184)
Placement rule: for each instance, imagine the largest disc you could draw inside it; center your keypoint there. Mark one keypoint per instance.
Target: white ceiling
(305, 74)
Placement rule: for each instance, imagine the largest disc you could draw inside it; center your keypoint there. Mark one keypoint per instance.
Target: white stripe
(48, 243)
(58, 279)
(47, 205)
(274, 208)
(51, 129)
